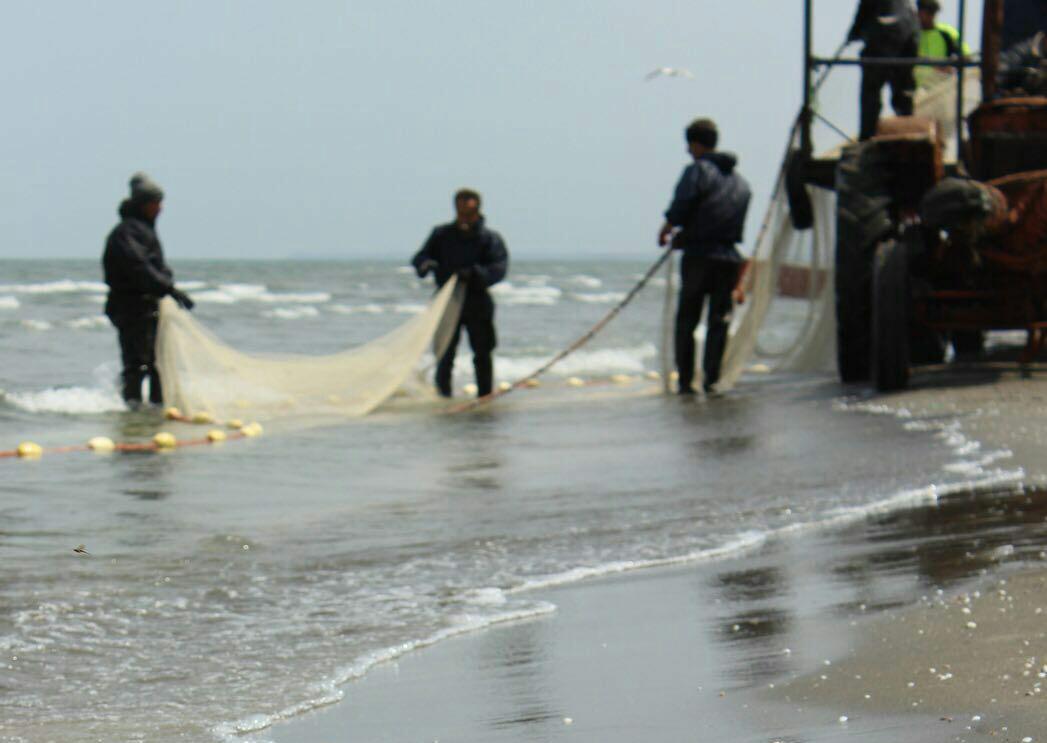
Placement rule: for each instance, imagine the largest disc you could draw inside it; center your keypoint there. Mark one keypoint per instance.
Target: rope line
(162, 441)
(578, 343)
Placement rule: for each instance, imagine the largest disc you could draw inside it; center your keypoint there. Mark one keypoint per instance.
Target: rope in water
(162, 441)
(525, 381)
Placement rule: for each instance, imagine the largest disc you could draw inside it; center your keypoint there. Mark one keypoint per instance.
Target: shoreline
(641, 611)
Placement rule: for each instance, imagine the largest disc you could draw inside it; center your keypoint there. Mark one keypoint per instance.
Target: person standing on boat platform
(888, 28)
(938, 40)
(138, 276)
(466, 248)
(705, 220)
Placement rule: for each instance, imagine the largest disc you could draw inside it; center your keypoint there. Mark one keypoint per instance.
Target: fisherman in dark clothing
(1022, 70)
(477, 255)
(889, 28)
(138, 277)
(707, 215)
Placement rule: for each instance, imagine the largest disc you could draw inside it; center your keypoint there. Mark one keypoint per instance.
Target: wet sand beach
(921, 624)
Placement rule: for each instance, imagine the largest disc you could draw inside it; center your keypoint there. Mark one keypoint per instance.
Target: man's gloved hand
(425, 267)
(464, 273)
(183, 299)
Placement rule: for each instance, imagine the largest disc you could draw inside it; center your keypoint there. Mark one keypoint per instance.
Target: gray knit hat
(144, 189)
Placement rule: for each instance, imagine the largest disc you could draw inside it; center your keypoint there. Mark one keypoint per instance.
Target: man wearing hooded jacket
(468, 249)
(138, 277)
(707, 216)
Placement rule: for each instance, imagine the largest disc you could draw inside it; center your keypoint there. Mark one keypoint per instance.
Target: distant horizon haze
(335, 130)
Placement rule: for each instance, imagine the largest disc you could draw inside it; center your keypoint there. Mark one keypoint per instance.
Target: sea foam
(71, 400)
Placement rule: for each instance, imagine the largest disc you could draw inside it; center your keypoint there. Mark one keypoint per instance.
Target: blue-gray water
(231, 586)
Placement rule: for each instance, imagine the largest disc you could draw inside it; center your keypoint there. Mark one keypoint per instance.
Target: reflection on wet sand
(880, 563)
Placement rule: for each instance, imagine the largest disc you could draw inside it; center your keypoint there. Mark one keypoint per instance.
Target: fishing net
(201, 374)
(788, 323)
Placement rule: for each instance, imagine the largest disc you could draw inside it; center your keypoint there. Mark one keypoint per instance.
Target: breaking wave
(234, 293)
(600, 297)
(62, 286)
(510, 294)
(292, 313)
(595, 362)
(353, 309)
(89, 322)
(32, 324)
(69, 400)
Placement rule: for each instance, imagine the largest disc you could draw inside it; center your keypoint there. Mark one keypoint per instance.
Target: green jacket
(940, 42)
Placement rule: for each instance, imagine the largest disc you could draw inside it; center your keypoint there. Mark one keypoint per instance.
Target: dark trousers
(903, 87)
(137, 334)
(478, 320)
(701, 277)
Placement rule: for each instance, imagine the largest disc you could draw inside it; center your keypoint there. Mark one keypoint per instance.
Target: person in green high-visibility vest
(937, 41)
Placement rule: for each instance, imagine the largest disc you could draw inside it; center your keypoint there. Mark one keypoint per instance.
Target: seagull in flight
(669, 72)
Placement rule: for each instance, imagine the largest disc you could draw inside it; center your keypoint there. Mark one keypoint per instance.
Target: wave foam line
(68, 400)
(753, 540)
(62, 286)
(742, 543)
(328, 692)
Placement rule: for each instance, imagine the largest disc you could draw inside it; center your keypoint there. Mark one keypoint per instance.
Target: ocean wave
(589, 282)
(39, 325)
(600, 298)
(89, 322)
(329, 691)
(596, 362)
(354, 309)
(409, 309)
(71, 400)
(292, 313)
(741, 544)
(62, 286)
(540, 295)
(9, 303)
(233, 293)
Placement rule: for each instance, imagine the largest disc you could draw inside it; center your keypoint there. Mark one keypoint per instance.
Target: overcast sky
(341, 129)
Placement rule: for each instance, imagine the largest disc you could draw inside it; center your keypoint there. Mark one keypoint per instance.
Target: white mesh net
(788, 322)
(201, 374)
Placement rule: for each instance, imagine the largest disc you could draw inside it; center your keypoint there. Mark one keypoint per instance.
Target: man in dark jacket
(1022, 69)
(138, 277)
(477, 255)
(889, 28)
(707, 214)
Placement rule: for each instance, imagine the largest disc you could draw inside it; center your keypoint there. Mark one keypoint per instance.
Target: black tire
(926, 346)
(862, 220)
(801, 212)
(968, 345)
(890, 325)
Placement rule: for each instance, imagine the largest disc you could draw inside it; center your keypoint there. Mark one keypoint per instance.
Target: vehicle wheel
(862, 220)
(890, 325)
(968, 345)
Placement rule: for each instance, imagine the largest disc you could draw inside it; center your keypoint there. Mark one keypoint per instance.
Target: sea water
(226, 588)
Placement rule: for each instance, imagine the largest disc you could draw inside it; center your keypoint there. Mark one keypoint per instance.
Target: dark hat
(702, 131)
(931, 5)
(144, 189)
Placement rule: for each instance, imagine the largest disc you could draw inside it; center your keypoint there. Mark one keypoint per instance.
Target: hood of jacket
(129, 210)
(724, 161)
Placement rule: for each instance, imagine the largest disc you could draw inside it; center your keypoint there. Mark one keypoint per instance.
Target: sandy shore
(926, 625)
